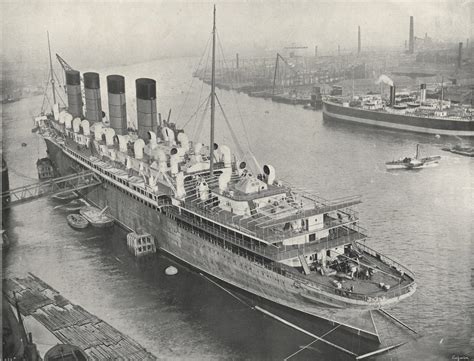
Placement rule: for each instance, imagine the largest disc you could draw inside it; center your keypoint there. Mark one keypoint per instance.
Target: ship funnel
(117, 103)
(74, 96)
(269, 171)
(392, 95)
(422, 93)
(92, 95)
(146, 106)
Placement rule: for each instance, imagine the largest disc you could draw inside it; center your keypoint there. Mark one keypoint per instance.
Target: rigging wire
(199, 125)
(200, 93)
(312, 342)
(233, 95)
(192, 81)
(197, 110)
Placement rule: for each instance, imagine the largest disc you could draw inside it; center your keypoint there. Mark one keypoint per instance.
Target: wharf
(70, 323)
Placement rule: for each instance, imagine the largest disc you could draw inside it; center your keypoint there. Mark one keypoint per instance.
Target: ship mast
(213, 94)
(51, 71)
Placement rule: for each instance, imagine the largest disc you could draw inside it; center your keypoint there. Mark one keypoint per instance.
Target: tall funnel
(392, 95)
(411, 38)
(117, 103)
(92, 95)
(74, 96)
(146, 106)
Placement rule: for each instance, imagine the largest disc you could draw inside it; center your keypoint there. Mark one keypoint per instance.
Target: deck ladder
(304, 264)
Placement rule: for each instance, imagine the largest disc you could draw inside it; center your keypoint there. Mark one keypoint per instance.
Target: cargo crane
(278, 57)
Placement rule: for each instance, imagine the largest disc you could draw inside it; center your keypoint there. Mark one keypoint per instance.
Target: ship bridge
(69, 183)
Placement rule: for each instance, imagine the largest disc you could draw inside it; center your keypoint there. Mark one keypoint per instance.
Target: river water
(422, 218)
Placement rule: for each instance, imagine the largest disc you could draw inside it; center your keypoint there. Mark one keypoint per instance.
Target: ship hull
(418, 124)
(191, 248)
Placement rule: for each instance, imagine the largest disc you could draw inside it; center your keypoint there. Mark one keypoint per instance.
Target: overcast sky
(104, 32)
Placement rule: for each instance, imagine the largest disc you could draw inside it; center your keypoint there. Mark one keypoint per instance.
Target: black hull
(337, 112)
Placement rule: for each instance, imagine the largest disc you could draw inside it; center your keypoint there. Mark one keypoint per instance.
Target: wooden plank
(71, 323)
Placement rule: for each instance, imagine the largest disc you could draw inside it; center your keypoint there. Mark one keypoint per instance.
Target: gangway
(72, 182)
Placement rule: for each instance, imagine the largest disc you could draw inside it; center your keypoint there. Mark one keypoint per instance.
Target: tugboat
(413, 163)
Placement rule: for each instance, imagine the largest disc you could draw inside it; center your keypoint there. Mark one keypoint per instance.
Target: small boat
(96, 217)
(74, 205)
(65, 196)
(414, 162)
(461, 150)
(65, 352)
(77, 221)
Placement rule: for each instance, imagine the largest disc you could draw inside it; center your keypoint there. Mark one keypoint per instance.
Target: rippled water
(423, 218)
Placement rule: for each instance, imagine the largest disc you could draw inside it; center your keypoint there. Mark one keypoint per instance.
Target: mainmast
(51, 71)
(213, 90)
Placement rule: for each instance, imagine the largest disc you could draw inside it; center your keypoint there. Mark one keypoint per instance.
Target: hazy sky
(104, 32)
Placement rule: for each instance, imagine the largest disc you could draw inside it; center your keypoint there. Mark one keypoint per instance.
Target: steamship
(209, 210)
(406, 112)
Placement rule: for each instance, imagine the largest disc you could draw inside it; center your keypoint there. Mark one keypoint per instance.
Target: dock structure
(70, 323)
(69, 183)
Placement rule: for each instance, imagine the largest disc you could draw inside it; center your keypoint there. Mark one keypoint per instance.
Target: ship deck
(384, 274)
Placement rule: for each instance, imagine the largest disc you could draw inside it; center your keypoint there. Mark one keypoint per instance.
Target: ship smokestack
(460, 55)
(117, 104)
(411, 39)
(422, 93)
(392, 95)
(92, 95)
(74, 96)
(358, 42)
(146, 106)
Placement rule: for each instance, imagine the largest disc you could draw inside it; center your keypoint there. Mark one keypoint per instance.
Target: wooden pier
(70, 323)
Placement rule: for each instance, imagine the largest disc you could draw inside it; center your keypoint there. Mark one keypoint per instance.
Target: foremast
(213, 95)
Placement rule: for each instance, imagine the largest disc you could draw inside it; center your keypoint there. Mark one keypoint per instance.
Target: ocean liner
(210, 211)
(406, 112)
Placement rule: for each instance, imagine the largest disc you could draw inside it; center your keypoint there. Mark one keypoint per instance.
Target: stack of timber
(70, 323)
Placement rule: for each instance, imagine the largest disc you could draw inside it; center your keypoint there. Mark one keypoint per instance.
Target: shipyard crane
(278, 57)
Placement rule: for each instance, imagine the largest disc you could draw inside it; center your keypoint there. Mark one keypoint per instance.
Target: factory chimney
(92, 95)
(237, 61)
(358, 41)
(146, 106)
(411, 39)
(117, 104)
(460, 55)
(316, 51)
(74, 96)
